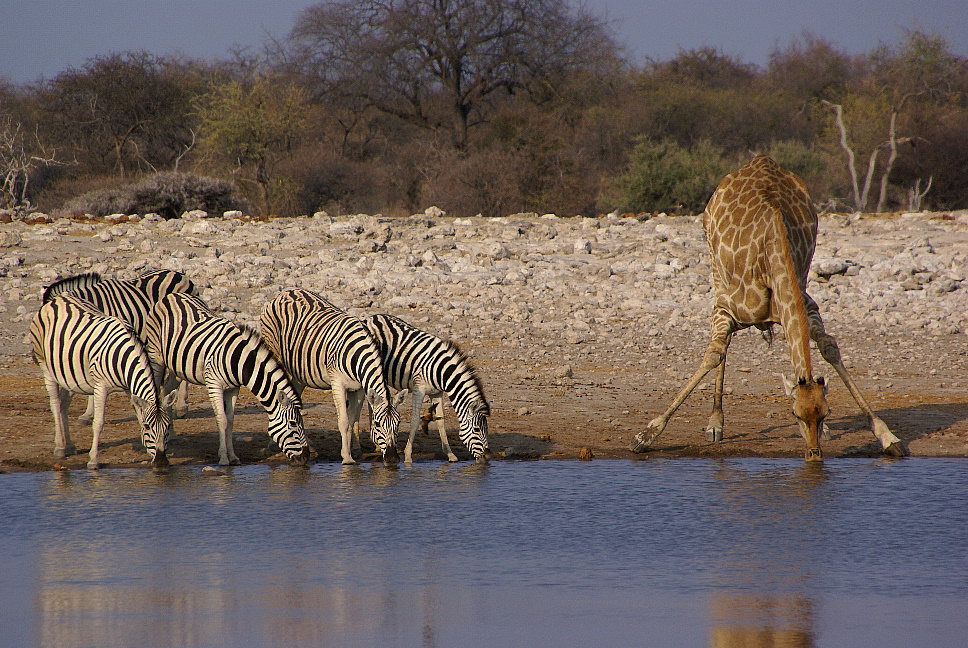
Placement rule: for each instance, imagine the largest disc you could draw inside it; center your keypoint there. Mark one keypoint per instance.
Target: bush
(168, 194)
(666, 177)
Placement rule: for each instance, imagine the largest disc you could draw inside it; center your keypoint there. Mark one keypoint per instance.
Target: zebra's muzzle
(390, 455)
(160, 460)
(483, 458)
(300, 459)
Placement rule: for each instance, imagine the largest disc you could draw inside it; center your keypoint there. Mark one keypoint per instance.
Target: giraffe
(762, 231)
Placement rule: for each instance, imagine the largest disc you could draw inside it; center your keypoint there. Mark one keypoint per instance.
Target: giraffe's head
(810, 409)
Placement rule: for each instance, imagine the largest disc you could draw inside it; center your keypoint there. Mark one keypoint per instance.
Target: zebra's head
(287, 431)
(156, 430)
(383, 433)
(473, 430)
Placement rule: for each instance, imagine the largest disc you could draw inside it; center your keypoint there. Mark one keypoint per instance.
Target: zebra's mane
(70, 283)
(462, 358)
(249, 332)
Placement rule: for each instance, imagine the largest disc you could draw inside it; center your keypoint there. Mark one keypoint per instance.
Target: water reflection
(775, 524)
(728, 553)
(750, 621)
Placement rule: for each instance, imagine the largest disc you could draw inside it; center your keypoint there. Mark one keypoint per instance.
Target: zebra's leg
(354, 407)
(223, 402)
(339, 399)
(181, 401)
(97, 425)
(60, 400)
(437, 407)
(88, 414)
(416, 403)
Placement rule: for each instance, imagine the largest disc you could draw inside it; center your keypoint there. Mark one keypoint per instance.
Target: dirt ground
(594, 395)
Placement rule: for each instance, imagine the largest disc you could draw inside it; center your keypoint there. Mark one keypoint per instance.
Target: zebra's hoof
(452, 458)
(93, 465)
(84, 419)
(349, 462)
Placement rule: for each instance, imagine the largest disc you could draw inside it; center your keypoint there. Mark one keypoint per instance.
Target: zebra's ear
(168, 402)
(140, 405)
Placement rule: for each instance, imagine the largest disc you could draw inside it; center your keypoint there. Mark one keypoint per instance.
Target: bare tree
(441, 64)
(922, 70)
(123, 112)
(20, 154)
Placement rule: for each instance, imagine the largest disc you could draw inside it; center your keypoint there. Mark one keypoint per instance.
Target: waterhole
(853, 552)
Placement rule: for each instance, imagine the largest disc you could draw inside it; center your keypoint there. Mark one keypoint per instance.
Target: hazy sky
(45, 37)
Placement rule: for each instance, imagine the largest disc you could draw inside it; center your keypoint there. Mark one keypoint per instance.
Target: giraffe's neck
(789, 304)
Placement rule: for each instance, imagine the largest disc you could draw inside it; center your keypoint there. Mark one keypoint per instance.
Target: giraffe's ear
(788, 384)
(823, 383)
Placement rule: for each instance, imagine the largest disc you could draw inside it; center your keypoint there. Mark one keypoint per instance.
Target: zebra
(130, 301)
(195, 345)
(429, 366)
(323, 347)
(81, 350)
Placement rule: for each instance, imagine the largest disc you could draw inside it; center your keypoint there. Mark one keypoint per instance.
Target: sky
(45, 37)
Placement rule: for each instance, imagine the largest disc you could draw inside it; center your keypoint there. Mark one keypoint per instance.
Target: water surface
(855, 552)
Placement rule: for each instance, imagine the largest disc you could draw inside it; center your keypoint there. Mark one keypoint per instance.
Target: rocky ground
(582, 329)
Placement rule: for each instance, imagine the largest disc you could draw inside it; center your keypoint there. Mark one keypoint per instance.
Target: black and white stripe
(158, 283)
(322, 346)
(185, 337)
(83, 351)
(130, 301)
(429, 366)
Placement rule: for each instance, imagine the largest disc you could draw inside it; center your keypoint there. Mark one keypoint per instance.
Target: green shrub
(664, 176)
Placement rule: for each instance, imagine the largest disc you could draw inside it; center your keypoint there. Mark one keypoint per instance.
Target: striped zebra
(83, 351)
(195, 345)
(323, 347)
(429, 366)
(130, 301)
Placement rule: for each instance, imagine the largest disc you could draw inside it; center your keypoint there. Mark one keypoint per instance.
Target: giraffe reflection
(761, 621)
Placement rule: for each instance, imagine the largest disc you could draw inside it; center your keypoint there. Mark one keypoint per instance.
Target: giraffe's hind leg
(714, 429)
(827, 345)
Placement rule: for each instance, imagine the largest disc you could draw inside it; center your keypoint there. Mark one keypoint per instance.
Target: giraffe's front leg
(827, 345)
(723, 328)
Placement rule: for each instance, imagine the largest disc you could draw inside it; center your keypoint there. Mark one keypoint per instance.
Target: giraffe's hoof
(640, 443)
(714, 434)
(896, 449)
